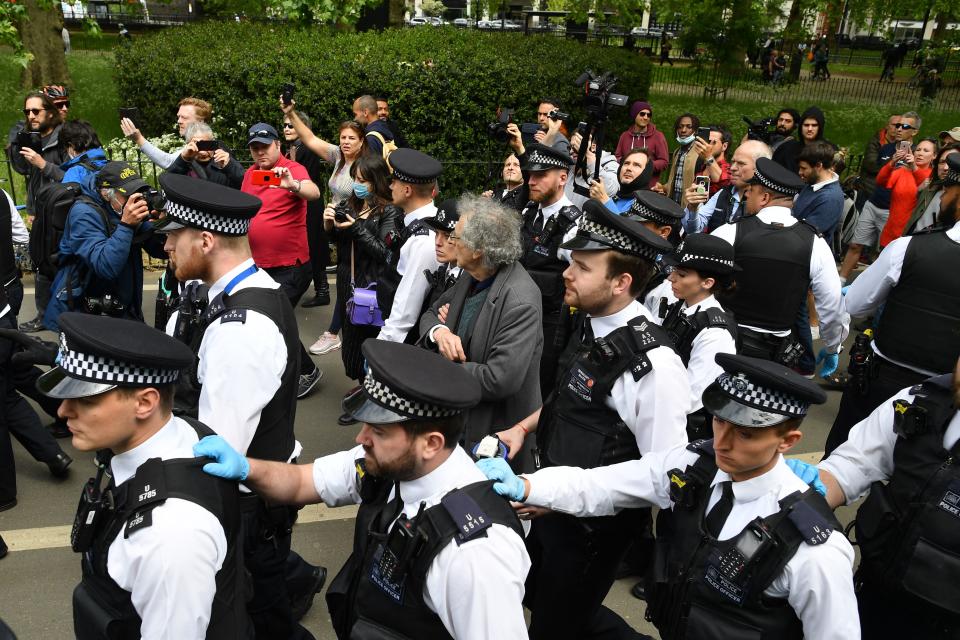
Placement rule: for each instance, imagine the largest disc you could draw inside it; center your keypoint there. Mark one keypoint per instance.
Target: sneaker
(325, 344)
(308, 382)
(31, 326)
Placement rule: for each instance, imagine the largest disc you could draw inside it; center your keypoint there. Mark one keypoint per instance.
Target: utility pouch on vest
(876, 527)
(789, 352)
(94, 618)
(931, 574)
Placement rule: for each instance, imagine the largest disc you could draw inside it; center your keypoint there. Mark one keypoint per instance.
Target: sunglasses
(287, 125)
(63, 105)
(645, 114)
(35, 112)
(904, 126)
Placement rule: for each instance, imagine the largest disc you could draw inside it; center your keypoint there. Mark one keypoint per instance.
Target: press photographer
(206, 158)
(100, 263)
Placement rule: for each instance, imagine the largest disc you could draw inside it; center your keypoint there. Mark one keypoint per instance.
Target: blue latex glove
(843, 290)
(508, 484)
(229, 464)
(830, 362)
(808, 473)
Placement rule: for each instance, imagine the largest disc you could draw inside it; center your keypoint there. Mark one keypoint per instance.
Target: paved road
(38, 576)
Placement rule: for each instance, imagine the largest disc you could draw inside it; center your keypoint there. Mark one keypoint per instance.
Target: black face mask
(640, 182)
(947, 216)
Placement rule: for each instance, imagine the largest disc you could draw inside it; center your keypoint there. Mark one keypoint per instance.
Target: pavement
(38, 576)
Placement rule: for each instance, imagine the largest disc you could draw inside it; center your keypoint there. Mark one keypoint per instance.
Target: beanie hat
(639, 106)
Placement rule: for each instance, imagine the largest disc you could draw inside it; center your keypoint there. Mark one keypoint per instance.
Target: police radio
(749, 549)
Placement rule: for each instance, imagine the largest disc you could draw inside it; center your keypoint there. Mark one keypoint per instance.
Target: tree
(433, 8)
(33, 28)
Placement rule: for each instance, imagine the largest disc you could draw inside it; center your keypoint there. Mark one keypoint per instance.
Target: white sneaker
(325, 344)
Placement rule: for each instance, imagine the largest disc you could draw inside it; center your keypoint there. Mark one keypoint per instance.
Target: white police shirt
(654, 407)
(240, 366)
(817, 582)
(873, 286)
(476, 589)
(824, 280)
(416, 256)
(170, 567)
(867, 455)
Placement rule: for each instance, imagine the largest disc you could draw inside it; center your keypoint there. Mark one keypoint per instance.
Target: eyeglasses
(63, 105)
(645, 114)
(35, 112)
(287, 125)
(904, 126)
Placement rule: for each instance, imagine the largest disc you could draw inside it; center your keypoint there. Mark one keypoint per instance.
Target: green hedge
(444, 84)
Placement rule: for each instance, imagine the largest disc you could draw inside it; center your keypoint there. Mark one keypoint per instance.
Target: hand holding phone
(702, 183)
(131, 113)
(30, 140)
(207, 145)
(286, 93)
(704, 134)
(264, 178)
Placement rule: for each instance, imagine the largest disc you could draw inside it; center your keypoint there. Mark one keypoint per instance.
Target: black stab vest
(102, 610)
(576, 427)
(920, 324)
(909, 528)
(363, 606)
(683, 329)
(8, 260)
(274, 439)
(539, 256)
(776, 273)
(700, 588)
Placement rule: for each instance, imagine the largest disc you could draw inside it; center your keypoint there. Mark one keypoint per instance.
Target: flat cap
(540, 157)
(99, 353)
(601, 229)
(702, 251)
(655, 207)
(415, 167)
(205, 205)
(776, 178)
(405, 382)
(759, 393)
(447, 216)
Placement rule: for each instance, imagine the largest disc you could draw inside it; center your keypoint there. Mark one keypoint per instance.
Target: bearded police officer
(244, 378)
(412, 250)
(781, 258)
(915, 281)
(905, 455)
(745, 549)
(446, 274)
(437, 554)
(621, 392)
(160, 542)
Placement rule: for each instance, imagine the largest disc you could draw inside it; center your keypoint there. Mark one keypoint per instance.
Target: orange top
(903, 184)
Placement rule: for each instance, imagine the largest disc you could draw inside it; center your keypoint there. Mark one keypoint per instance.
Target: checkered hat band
(538, 158)
(748, 393)
(208, 221)
(619, 240)
(646, 212)
(952, 177)
(386, 397)
(108, 371)
(686, 257)
(774, 186)
(406, 177)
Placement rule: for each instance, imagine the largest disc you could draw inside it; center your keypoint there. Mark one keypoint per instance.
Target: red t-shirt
(278, 233)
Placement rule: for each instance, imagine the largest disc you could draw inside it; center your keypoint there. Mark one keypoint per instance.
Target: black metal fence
(750, 86)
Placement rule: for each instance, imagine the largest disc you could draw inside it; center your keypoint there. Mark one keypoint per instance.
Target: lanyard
(237, 279)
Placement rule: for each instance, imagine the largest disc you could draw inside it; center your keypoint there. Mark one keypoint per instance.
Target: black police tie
(718, 515)
(392, 510)
(587, 331)
(538, 222)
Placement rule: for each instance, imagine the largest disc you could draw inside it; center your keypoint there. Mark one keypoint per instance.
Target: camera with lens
(340, 211)
(154, 199)
(598, 92)
(105, 305)
(556, 114)
(764, 130)
(498, 130)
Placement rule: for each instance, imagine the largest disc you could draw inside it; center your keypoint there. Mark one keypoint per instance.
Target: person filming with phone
(206, 158)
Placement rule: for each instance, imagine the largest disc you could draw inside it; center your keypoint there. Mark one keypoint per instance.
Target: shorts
(870, 223)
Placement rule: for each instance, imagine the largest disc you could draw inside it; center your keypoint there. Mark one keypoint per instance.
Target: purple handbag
(362, 307)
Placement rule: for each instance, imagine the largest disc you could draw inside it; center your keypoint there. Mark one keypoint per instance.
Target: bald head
(744, 161)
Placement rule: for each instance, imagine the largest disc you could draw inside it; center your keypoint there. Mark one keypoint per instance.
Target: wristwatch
(709, 161)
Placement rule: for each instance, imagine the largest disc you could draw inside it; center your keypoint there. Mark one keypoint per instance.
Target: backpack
(53, 203)
(389, 146)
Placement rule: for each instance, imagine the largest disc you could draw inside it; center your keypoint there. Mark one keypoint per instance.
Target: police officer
(401, 299)
(446, 274)
(243, 383)
(160, 542)
(437, 554)
(661, 215)
(905, 455)
(701, 266)
(745, 548)
(781, 259)
(548, 220)
(621, 392)
(914, 278)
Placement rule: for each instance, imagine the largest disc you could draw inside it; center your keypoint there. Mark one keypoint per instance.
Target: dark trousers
(294, 282)
(574, 563)
(886, 380)
(807, 363)
(41, 296)
(319, 246)
(554, 342)
(892, 616)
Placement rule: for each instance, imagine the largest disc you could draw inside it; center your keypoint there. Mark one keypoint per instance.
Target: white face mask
(687, 140)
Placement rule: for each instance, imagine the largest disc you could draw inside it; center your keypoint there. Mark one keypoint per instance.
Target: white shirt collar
(124, 465)
(769, 482)
(605, 324)
(707, 303)
(954, 232)
(777, 214)
(426, 211)
(833, 178)
(552, 209)
(448, 475)
(225, 279)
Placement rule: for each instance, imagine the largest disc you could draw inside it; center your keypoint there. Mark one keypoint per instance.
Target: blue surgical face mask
(360, 190)
(687, 140)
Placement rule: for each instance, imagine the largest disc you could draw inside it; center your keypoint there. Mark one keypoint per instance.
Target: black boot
(320, 299)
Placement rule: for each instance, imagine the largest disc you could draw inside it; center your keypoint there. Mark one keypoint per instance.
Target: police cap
(601, 229)
(447, 216)
(206, 205)
(777, 178)
(656, 208)
(540, 157)
(415, 167)
(703, 252)
(953, 170)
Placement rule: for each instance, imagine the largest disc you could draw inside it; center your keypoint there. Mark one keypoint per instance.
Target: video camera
(597, 100)
(498, 130)
(764, 130)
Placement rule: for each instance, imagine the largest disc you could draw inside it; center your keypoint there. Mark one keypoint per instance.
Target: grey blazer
(503, 351)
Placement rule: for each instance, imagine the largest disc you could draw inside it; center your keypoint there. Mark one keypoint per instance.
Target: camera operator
(685, 163)
(513, 194)
(215, 165)
(550, 133)
(784, 143)
(100, 265)
(189, 110)
(38, 160)
(609, 169)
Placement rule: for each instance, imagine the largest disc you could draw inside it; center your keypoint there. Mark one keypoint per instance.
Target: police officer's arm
(872, 287)
(825, 282)
(866, 456)
(703, 370)
(408, 300)
(281, 482)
